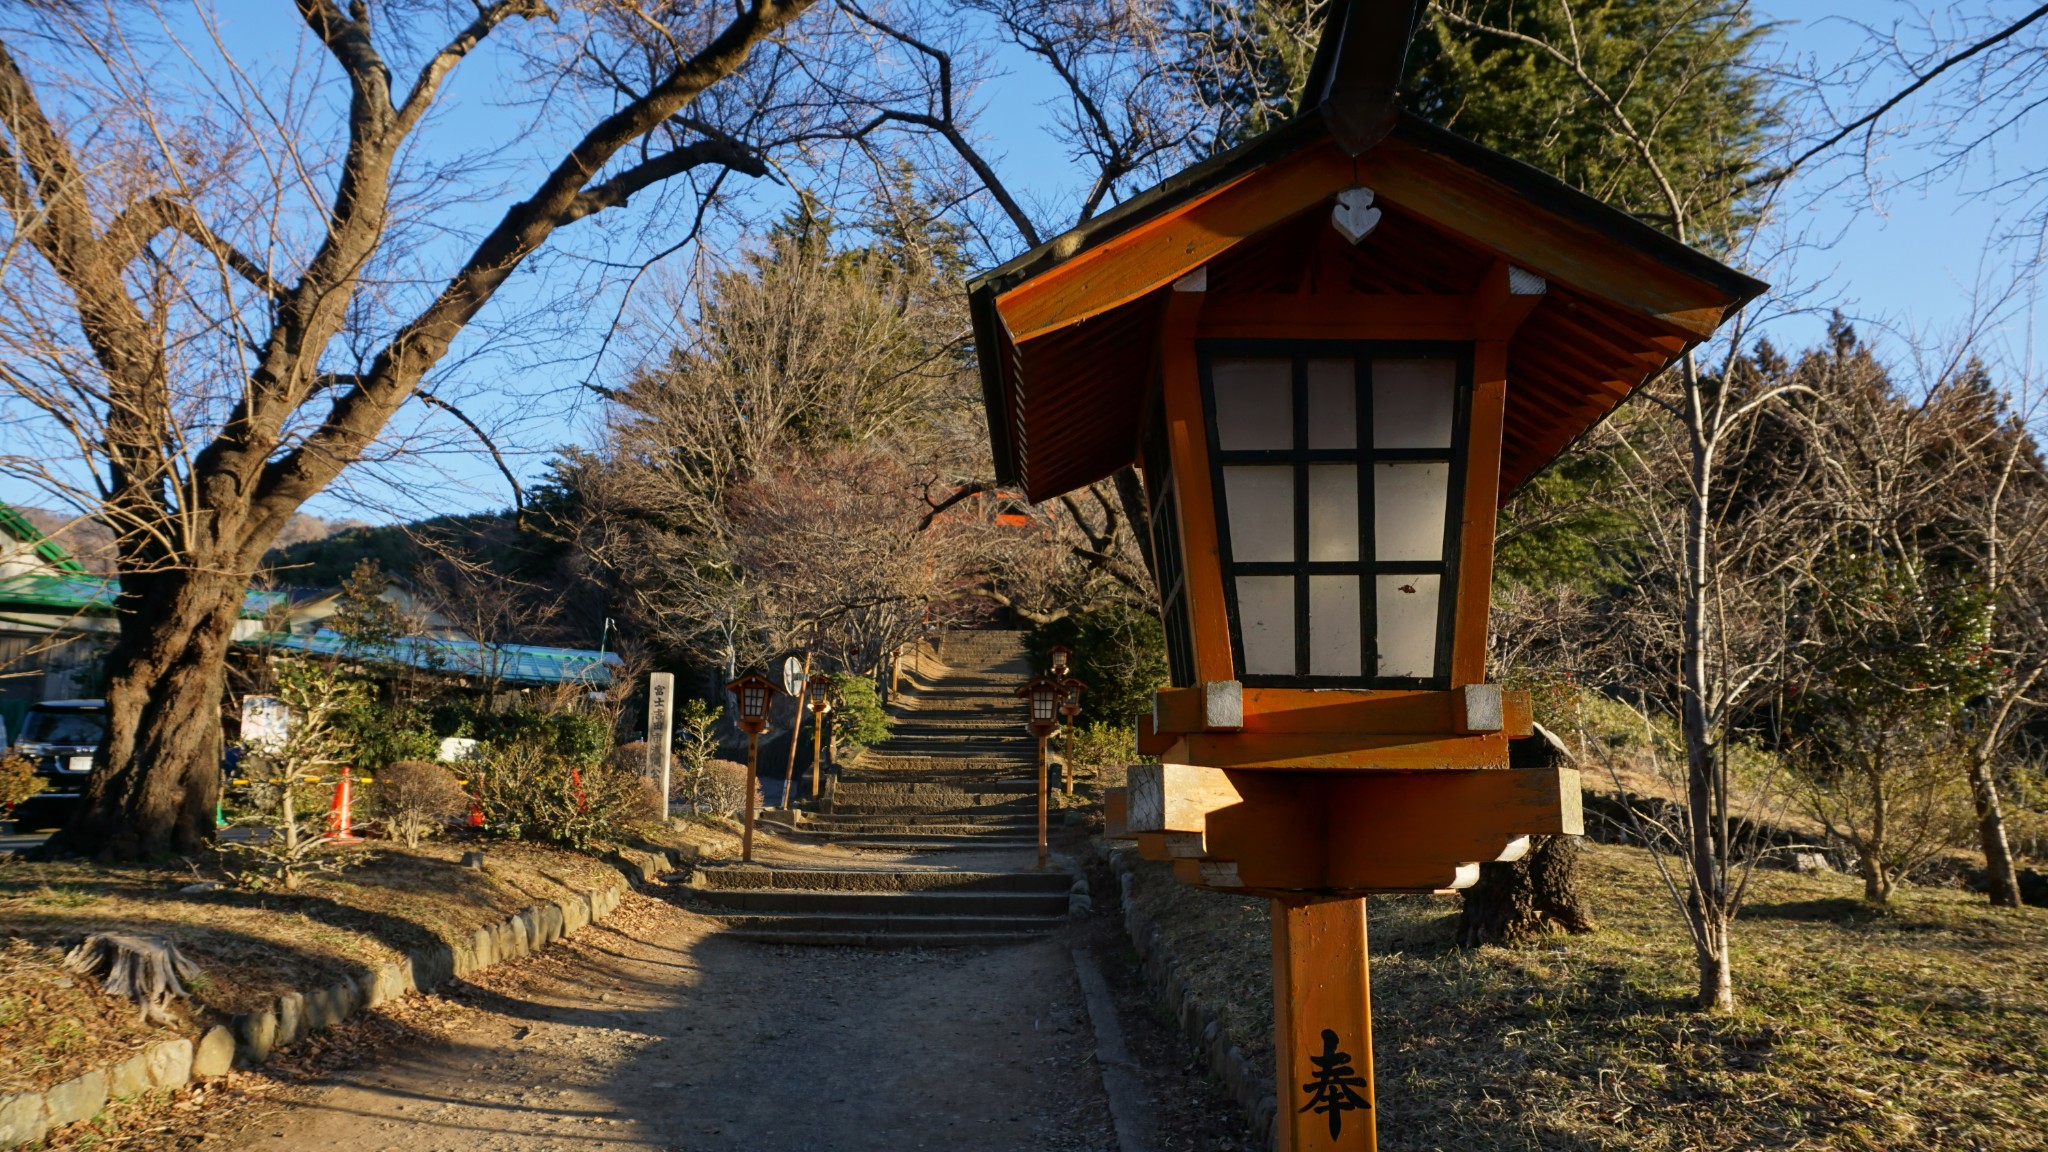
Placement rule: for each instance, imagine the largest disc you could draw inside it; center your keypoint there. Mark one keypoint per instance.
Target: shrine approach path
(656, 1030)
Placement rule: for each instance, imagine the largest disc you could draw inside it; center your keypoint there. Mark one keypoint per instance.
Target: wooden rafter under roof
(1066, 331)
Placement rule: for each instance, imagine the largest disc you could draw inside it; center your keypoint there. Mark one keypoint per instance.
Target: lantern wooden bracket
(1212, 706)
(1115, 814)
(1338, 833)
(1221, 724)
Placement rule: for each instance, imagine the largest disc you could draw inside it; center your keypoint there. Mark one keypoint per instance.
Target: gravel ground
(650, 1032)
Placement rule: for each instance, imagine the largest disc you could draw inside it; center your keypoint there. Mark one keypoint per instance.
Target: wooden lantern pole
(817, 746)
(753, 769)
(1041, 710)
(1322, 1018)
(1042, 735)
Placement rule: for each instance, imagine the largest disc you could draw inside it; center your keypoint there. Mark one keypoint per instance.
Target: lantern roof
(1066, 332)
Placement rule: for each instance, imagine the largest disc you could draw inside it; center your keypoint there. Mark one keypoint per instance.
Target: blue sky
(1905, 265)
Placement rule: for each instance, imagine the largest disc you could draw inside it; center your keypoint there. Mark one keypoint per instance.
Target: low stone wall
(250, 1038)
(1252, 1088)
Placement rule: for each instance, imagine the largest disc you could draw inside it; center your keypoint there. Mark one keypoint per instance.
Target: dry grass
(251, 946)
(1922, 1027)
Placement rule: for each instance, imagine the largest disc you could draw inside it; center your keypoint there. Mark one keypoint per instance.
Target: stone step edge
(798, 939)
(249, 1039)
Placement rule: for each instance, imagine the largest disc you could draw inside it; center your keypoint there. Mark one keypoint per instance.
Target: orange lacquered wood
(1489, 214)
(1176, 710)
(1497, 311)
(1338, 316)
(1387, 751)
(1188, 442)
(1482, 487)
(1151, 743)
(1393, 831)
(1321, 983)
(1159, 251)
(1418, 711)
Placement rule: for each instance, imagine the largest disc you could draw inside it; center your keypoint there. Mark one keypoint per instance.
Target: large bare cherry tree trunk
(181, 314)
(164, 693)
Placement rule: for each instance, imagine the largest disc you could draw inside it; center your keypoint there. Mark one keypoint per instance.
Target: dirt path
(650, 1032)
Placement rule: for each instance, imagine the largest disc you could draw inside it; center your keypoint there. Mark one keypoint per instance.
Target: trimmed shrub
(415, 798)
(1103, 751)
(724, 788)
(532, 792)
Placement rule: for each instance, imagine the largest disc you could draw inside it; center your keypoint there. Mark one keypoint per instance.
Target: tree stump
(145, 969)
(1514, 903)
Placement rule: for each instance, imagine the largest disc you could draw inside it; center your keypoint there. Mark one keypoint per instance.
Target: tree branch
(136, 225)
(1784, 171)
(498, 458)
(436, 70)
(615, 192)
(944, 124)
(525, 226)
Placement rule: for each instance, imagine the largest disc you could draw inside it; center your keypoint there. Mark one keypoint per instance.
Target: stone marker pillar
(661, 700)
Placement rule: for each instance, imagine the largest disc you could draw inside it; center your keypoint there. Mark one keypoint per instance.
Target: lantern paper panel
(1337, 556)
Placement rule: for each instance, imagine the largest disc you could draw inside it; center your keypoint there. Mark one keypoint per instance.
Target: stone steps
(883, 790)
(824, 821)
(884, 831)
(891, 923)
(956, 774)
(930, 764)
(906, 843)
(944, 903)
(741, 877)
(908, 792)
(800, 938)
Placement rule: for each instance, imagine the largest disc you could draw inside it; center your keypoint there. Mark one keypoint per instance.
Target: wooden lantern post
(1043, 698)
(1329, 352)
(754, 693)
(819, 691)
(1070, 707)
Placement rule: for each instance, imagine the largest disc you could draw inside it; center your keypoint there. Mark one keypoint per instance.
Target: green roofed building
(41, 656)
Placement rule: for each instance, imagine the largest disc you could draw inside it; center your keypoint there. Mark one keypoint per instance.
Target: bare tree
(1991, 509)
(216, 298)
(1708, 411)
(1131, 113)
(485, 605)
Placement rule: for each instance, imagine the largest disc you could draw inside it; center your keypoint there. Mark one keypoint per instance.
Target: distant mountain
(93, 544)
(88, 541)
(323, 561)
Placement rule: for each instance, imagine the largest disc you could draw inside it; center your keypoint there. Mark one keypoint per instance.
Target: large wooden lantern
(1330, 352)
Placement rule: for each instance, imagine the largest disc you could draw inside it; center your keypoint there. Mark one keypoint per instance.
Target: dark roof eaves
(981, 311)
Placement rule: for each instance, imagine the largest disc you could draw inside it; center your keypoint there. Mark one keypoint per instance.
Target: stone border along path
(1252, 1088)
(26, 1117)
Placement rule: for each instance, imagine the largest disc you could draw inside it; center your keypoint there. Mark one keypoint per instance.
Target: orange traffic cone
(340, 827)
(576, 784)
